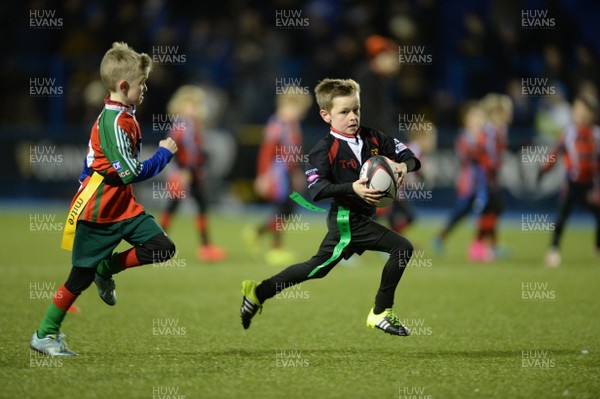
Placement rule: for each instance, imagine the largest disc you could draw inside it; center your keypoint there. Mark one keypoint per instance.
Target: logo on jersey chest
(349, 164)
(374, 152)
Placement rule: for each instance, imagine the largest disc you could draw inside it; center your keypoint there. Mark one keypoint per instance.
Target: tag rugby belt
(79, 205)
(112, 180)
(343, 223)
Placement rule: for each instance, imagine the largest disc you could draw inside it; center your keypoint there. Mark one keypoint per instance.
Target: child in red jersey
(189, 175)
(580, 146)
(104, 211)
(470, 183)
(279, 171)
(422, 141)
(492, 144)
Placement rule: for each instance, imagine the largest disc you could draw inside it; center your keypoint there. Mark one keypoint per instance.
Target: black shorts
(364, 233)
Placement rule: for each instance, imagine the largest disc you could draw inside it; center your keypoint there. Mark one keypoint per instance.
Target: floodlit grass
(512, 329)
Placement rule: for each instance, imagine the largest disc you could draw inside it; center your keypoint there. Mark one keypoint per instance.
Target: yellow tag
(78, 206)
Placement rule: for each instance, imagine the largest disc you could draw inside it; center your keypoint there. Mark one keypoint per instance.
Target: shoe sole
(390, 333)
(102, 297)
(375, 326)
(246, 290)
(107, 302)
(65, 353)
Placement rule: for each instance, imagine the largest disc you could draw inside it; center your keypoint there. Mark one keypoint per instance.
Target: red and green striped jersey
(114, 146)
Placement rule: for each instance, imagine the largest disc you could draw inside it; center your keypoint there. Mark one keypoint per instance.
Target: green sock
(52, 321)
(108, 267)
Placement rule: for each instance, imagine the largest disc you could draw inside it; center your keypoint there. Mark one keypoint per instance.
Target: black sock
(263, 292)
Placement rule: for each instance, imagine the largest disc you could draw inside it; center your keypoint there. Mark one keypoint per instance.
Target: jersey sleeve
(596, 157)
(398, 152)
(268, 148)
(85, 172)
(319, 175)
(558, 150)
(177, 135)
(118, 149)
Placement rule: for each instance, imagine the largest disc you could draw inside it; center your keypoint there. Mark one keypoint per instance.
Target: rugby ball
(381, 177)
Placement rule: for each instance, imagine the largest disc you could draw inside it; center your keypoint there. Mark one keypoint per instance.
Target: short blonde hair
(121, 62)
(590, 102)
(468, 107)
(328, 89)
(185, 93)
(493, 102)
(296, 95)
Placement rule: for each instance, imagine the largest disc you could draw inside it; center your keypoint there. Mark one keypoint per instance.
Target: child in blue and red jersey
(470, 183)
(580, 146)
(401, 215)
(279, 170)
(492, 144)
(188, 175)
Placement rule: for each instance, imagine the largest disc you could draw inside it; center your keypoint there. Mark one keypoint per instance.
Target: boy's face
(134, 90)
(474, 120)
(582, 114)
(386, 63)
(501, 115)
(191, 108)
(344, 115)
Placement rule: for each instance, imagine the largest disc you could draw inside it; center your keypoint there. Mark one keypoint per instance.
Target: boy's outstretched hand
(369, 195)
(169, 144)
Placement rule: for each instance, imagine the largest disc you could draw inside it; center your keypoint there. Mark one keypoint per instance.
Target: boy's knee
(161, 247)
(316, 269)
(80, 279)
(403, 249)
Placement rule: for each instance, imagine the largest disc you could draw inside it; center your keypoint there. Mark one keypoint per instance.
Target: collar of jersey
(345, 136)
(118, 106)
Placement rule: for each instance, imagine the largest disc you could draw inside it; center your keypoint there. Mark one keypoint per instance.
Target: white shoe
(51, 345)
(553, 258)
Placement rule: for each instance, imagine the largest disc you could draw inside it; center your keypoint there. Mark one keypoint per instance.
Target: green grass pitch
(512, 329)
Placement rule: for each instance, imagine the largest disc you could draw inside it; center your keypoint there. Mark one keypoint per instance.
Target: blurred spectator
(280, 171)
(523, 108)
(187, 176)
(379, 108)
(242, 51)
(552, 117)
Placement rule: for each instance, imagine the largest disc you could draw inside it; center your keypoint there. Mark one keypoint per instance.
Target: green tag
(300, 200)
(343, 222)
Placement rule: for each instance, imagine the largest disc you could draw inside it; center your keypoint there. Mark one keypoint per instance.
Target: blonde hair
(295, 95)
(121, 62)
(424, 134)
(494, 102)
(328, 89)
(184, 94)
(468, 107)
(590, 102)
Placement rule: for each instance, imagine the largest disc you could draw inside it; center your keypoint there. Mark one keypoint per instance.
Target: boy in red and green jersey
(111, 213)
(114, 145)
